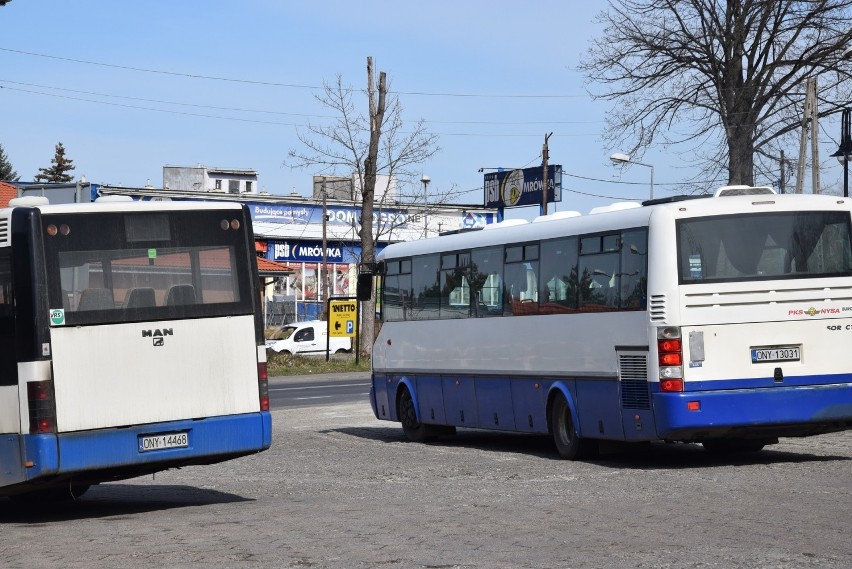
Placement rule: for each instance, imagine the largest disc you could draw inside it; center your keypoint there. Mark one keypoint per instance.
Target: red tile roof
(271, 268)
(7, 192)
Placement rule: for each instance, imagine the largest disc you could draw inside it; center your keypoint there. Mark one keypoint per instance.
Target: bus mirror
(364, 289)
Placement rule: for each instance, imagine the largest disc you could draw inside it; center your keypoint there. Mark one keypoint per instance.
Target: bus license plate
(159, 442)
(776, 354)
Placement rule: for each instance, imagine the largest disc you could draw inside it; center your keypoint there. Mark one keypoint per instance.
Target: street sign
(342, 318)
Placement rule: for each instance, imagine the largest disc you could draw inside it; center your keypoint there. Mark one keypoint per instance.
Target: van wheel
(341, 351)
(413, 429)
(569, 445)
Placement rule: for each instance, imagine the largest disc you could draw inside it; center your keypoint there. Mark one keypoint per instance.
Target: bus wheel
(413, 429)
(728, 446)
(569, 445)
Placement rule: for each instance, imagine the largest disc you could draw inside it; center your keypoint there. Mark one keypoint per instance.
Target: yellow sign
(342, 318)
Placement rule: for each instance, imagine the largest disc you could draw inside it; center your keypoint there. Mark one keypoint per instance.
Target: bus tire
(415, 430)
(569, 445)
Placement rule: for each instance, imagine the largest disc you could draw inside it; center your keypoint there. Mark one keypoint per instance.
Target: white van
(308, 338)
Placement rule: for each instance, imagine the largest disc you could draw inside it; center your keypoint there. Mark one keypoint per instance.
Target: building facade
(204, 179)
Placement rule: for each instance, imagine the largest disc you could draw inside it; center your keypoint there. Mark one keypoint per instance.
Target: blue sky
(516, 59)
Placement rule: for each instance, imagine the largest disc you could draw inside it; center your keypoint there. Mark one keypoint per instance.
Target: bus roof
(120, 205)
(612, 218)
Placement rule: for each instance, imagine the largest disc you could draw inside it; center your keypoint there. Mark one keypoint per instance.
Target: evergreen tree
(58, 168)
(7, 173)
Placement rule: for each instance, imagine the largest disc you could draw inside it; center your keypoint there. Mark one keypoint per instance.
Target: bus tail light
(671, 385)
(263, 386)
(40, 401)
(670, 358)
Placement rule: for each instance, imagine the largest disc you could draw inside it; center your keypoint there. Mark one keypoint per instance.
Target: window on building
(233, 186)
(248, 186)
(217, 185)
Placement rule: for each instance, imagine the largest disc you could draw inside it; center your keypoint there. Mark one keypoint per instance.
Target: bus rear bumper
(754, 413)
(117, 453)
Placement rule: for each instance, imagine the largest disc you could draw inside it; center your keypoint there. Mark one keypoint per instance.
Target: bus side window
(558, 276)
(425, 289)
(634, 270)
(521, 280)
(486, 285)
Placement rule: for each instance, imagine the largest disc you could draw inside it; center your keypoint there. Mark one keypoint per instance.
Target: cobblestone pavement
(339, 489)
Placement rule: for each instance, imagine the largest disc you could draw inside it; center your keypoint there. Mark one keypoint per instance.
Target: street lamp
(844, 153)
(425, 180)
(619, 158)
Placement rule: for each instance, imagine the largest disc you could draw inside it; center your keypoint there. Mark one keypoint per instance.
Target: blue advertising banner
(516, 188)
(337, 215)
(310, 251)
(305, 251)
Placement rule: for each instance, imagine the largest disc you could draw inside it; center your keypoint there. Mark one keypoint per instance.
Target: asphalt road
(339, 489)
(320, 389)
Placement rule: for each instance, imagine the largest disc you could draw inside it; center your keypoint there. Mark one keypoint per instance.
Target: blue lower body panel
(116, 453)
(764, 412)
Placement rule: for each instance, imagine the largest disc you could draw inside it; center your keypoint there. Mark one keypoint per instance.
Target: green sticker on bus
(57, 317)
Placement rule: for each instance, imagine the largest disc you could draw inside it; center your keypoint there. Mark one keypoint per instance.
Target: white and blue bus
(131, 341)
(723, 320)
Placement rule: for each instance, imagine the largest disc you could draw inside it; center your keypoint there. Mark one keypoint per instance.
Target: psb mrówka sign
(515, 188)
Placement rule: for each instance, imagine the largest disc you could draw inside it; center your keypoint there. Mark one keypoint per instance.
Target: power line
(270, 112)
(137, 107)
(621, 181)
(160, 101)
(272, 83)
(237, 119)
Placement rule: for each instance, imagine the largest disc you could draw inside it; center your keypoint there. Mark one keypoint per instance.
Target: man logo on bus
(158, 335)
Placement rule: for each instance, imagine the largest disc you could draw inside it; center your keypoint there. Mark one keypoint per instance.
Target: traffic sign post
(343, 314)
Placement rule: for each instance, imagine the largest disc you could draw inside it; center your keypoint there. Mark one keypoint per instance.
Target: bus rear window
(144, 267)
(764, 246)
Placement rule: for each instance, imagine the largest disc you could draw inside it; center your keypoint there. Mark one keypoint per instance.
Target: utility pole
(809, 121)
(324, 252)
(544, 190)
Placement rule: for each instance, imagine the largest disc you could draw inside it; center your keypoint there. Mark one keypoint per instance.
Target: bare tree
(365, 145)
(730, 73)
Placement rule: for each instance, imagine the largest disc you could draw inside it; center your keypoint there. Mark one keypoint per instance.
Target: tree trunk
(741, 159)
(368, 243)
